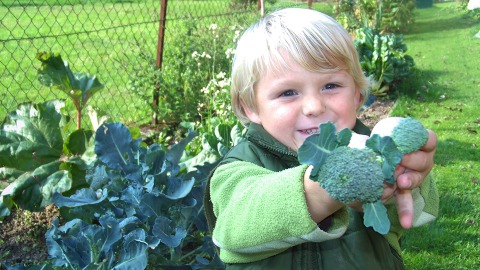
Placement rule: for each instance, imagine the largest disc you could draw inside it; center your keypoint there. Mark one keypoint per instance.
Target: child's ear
(251, 114)
(358, 98)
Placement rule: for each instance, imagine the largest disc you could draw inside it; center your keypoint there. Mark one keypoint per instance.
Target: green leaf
(77, 142)
(81, 197)
(385, 146)
(222, 133)
(317, 147)
(238, 133)
(134, 255)
(344, 137)
(169, 234)
(55, 73)
(31, 136)
(209, 142)
(32, 157)
(5, 206)
(113, 145)
(33, 190)
(375, 215)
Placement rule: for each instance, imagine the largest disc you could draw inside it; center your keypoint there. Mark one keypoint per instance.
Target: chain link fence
(103, 38)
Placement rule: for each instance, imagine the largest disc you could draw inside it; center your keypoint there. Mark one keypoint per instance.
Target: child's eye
(288, 93)
(330, 86)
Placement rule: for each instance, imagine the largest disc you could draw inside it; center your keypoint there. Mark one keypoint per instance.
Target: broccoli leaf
(82, 197)
(113, 145)
(375, 215)
(56, 73)
(134, 255)
(317, 147)
(344, 137)
(169, 234)
(79, 245)
(385, 146)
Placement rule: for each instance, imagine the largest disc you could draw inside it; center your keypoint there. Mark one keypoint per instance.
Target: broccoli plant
(357, 174)
(143, 207)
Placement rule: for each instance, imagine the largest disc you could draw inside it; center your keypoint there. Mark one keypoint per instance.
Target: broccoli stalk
(351, 174)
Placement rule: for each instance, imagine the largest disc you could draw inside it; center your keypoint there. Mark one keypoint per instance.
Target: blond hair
(314, 40)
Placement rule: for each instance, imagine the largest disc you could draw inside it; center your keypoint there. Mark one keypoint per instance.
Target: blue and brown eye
(288, 93)
(330, 86)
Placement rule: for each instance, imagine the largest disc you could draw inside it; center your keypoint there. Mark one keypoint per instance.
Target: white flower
(221, 75)
(223, 83)
(230, 52)
(204, 90)
(237, 34)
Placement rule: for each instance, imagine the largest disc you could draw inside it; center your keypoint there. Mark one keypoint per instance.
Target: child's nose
(313, 106)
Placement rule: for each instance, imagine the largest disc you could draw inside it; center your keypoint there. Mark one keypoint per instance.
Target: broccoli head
(350, 174)
(408, 134)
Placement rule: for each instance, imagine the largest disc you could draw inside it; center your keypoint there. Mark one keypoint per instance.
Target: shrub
(191, 59)
(383, 59)
(387, 16)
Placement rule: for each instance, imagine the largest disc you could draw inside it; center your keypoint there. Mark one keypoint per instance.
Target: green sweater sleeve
(261, 213)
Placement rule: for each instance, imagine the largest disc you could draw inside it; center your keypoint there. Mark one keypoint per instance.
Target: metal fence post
(159, 59)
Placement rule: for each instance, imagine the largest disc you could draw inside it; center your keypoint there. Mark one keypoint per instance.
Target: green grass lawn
(444, 96)
(87, 36)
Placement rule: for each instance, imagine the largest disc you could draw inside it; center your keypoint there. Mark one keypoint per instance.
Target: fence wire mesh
(101, 38)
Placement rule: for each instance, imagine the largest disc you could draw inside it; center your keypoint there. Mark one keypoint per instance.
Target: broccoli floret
(350, 174)
(409, 135)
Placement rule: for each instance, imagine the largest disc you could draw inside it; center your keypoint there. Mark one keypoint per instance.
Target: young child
(294, 69)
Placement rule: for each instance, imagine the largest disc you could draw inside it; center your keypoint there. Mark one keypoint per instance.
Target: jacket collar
(258, 135)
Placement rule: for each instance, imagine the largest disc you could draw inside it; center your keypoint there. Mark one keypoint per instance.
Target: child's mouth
(310, 131)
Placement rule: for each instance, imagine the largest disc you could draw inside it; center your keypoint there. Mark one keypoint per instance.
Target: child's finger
(431, 143)
(405, 207)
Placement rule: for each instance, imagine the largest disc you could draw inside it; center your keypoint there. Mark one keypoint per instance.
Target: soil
(378, 110)
(22, 236)
(22, 233)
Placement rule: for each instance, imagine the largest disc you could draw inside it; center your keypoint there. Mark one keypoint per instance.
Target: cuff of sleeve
(338, 228)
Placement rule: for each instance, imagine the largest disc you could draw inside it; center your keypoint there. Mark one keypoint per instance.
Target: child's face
(291, 105)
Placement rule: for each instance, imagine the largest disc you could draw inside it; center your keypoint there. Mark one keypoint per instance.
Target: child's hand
(410, 174)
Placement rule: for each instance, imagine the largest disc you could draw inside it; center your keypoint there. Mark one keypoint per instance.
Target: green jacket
(257, 212)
